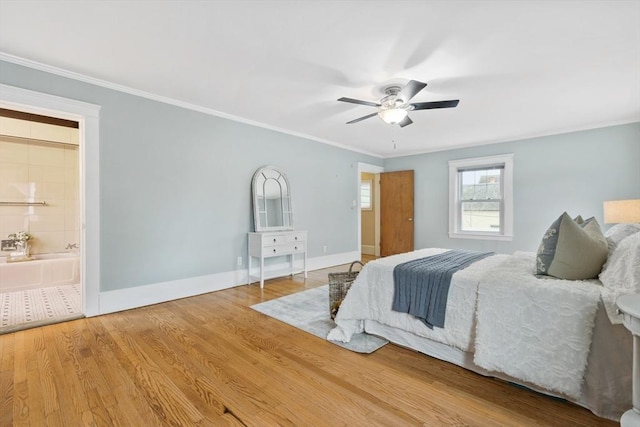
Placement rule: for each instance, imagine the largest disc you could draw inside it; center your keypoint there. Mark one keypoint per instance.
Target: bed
(555, 336)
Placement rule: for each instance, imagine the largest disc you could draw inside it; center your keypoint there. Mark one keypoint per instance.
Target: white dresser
(271, 244)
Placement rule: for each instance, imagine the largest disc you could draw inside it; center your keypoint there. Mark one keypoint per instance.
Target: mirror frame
(254, 190)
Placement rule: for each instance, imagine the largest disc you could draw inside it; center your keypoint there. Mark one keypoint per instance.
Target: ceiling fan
(394, 107)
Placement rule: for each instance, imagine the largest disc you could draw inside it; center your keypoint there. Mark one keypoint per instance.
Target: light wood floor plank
(66, 389)
(208, 359)
(37, 412)
(163, 396)
(251, 375)
(21, 386)
(211, 360)
(300, 377)
(179, 372)
(7, 378)
(130, 407)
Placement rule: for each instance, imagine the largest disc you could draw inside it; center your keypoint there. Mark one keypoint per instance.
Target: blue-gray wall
(175, 198)
(573, 172)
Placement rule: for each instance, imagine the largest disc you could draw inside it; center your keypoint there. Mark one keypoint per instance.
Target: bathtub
(43, 271)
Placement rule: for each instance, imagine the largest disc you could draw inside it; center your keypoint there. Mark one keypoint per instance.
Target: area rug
(309, 311)
(37, 307)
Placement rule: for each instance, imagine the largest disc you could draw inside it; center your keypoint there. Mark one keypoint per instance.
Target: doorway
(393, 207)
(39, 220)
(369, 218)
(87, 117)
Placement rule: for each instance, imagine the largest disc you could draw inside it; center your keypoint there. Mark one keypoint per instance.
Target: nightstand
(629, 307)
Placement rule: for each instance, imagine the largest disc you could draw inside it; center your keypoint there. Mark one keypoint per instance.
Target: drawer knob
(274, 250)
(296, 248)
(274, 240)
(296, 237)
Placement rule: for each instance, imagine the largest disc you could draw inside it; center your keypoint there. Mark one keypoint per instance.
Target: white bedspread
(621, 274)
(371, 296)
(538, 330)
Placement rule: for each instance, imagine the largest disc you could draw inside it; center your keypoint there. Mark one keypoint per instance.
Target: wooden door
(396, 212)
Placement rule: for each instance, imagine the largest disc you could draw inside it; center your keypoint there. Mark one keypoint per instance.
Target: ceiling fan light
(393, 116)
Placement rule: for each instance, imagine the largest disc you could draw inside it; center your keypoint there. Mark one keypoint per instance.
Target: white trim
(155, 293)
(88, 116)
(368, 249)
(140, 296)
(525, 137)
(480, 236)
(368, 168)
(376, 207)
(166, 100)
(318, 263)
(507, 197)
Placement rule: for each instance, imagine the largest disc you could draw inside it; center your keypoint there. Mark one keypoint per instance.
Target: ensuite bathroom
(40, 268)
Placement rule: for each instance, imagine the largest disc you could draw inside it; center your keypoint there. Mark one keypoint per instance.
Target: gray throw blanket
(421, 286)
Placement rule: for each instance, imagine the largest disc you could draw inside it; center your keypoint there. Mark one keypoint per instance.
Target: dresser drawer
(274, 239)
(296, 237)
(289, 248)
(279, 239)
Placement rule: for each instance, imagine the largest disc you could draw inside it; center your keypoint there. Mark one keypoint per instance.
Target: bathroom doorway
(88, 117)
(39, 220)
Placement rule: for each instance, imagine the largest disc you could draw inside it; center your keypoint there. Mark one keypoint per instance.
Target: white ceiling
(520, 68)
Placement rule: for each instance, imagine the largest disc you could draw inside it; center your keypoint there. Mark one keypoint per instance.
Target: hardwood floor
(211, 360)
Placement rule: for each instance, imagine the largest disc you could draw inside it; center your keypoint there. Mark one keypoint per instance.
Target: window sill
(481, 236)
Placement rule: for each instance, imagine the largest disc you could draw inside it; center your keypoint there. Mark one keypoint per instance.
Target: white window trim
(454, 219)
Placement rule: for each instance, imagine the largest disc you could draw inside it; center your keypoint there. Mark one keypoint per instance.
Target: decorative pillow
(621, 274)
(618, 232)
(572, 251)
(578, 219)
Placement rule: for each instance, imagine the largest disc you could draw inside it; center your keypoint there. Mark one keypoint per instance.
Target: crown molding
(166, 100)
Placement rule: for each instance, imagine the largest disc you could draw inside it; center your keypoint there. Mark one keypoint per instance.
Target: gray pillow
(572, 251)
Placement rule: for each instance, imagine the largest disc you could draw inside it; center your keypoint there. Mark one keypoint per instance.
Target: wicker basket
(339, 284)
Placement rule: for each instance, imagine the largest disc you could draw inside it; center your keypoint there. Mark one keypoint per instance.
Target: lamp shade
(393, 115)
(622, 211)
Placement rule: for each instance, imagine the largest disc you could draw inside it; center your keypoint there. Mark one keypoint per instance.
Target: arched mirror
(272, 209)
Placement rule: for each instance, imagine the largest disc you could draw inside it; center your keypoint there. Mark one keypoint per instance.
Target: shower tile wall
(35, 171)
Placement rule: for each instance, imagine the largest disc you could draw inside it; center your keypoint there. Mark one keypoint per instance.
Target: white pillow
(621, 274)
(618, 232)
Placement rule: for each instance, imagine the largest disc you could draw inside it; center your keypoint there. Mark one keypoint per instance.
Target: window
(481, 198)
(366, 195)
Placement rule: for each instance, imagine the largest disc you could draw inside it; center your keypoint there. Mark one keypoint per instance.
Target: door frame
(368, 168)
(88, 117)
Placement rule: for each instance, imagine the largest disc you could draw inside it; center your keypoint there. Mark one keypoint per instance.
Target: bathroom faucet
(72, 246)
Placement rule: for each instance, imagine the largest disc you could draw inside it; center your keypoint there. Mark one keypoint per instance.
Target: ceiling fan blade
(357, 101)
(435, 104)
(410, 90)
(362, 118)
(405, 122)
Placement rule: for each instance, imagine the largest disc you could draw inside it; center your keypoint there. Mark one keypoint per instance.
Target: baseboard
(318, 263)
(155, 293)
(140, 296)
(368, 250)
